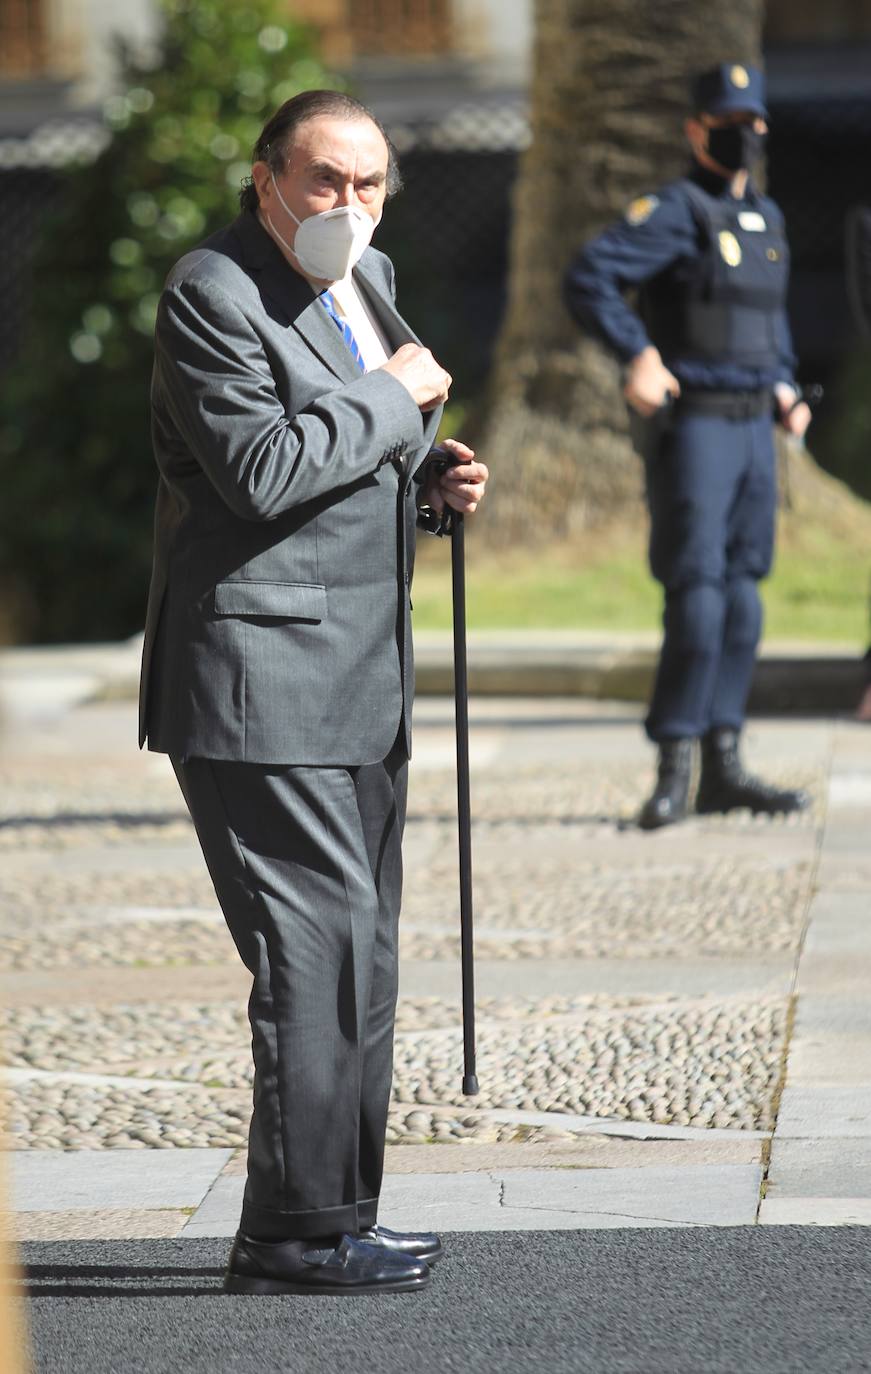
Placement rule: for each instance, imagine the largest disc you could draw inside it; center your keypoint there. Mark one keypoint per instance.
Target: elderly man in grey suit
(294, 416)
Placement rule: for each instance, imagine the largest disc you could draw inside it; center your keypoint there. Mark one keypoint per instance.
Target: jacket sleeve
(787, 359)
(213, 377)
(653, 234)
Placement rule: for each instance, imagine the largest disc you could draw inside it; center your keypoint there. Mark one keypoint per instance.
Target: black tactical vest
(723, 305)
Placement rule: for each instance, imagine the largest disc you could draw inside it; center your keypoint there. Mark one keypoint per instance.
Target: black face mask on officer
(736, 146)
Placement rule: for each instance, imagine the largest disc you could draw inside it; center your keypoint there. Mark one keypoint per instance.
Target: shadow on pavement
(120, 1281)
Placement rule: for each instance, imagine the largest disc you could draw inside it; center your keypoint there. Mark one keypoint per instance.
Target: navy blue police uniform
(711, 271)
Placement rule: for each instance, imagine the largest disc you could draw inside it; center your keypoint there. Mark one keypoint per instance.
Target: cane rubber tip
(470, 1085)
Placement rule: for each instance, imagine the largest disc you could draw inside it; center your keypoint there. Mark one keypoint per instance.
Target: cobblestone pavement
(100, 871)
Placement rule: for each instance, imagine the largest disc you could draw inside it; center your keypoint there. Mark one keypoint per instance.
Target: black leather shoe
(724, 786)
(668, 802)
(421, 1245)
(299, 1266)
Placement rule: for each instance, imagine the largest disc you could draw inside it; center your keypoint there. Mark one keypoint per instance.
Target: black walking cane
(464, 806)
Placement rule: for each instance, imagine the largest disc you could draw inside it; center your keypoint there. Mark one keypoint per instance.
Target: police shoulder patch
(640, 210)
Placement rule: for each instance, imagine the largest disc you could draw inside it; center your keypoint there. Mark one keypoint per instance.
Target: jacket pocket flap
(292, 600)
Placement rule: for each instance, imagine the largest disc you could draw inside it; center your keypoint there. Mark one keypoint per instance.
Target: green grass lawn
(819, 589)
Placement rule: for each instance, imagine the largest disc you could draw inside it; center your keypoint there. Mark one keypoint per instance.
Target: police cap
(729, 87)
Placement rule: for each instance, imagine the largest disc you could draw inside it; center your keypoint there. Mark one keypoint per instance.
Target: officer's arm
(795, 415)
(653, 234)
(786, 359)
(786, 355)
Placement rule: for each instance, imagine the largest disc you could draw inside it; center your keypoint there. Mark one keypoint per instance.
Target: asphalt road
(736, 1301)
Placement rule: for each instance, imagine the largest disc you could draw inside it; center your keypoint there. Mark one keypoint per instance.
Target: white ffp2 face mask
(328, 245)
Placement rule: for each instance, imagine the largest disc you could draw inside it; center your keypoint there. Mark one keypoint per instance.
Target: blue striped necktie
(327, 300)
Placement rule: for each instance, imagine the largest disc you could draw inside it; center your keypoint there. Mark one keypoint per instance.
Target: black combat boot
(724, 786)
(668, 802)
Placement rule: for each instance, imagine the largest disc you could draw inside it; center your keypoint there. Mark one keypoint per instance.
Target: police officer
(708, 360)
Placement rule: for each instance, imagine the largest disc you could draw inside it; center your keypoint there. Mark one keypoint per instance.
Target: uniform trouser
(711, 486)
(307, 868)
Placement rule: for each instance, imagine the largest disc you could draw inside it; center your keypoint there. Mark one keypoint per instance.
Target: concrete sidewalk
(672, 1027)
(599, 665)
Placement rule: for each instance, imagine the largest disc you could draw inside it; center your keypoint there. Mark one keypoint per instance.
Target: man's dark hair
(277, 135)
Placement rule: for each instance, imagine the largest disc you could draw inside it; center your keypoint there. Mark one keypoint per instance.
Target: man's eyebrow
(320, 165)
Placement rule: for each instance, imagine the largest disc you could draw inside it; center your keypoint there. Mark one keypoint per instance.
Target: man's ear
(262, 179)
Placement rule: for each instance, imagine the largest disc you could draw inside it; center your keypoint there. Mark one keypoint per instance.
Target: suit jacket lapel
(371, 284)
(322, 336)
(293, 296)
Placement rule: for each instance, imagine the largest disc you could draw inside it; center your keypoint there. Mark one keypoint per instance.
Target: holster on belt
(647, 431)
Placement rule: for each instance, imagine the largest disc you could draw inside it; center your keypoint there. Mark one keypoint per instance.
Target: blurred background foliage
(846, 442)
(76, 469)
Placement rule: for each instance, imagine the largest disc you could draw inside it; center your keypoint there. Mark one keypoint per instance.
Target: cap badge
(640, 210)
(730, 248)
(739, 77)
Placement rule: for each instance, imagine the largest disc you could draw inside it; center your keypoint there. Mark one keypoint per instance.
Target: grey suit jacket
(278, 626)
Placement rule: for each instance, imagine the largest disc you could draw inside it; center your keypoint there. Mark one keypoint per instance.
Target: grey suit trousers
(307, 867)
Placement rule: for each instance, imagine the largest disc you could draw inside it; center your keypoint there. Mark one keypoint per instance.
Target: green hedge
(76, 471)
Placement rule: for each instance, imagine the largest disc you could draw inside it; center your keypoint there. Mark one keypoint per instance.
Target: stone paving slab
(218, 1213)
(840, 922)
(572, 1199)
(834, 1168)
(102, 1224)
(541, 1168)
(835, 975)
(833, 1057)
(592, 1151)
(623, 1129)
(701, 977)
(820, 1164)
(107, 986)
(57, 1181)
(849, 872)
(693, 1195)
(582, 1152)
(538, 1199)
(849, 838)
(815, 1211)
(850, 790)
(825, 1111)
(820, 1017)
